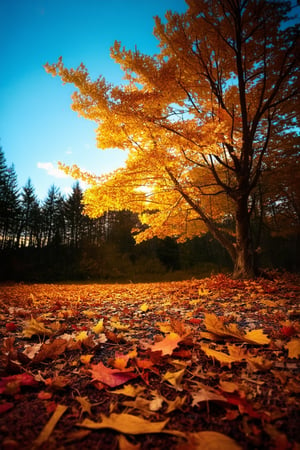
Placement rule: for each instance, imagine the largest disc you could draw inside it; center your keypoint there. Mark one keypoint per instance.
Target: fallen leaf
(34, 327)
(144, 307)
(86, 359)
(51, 350)
(6, 406)
(81, 336)
(174, 378)
(12, 383)
(50, 425)
(205, 396)
(166, 345)
(99, 327)
(85, 405)
(129, 390)
(175, 404)
(125, 423)
(216, 326)
(223, 358)
(293, 348)
(124, 444)
(209, 440)
(111, 377)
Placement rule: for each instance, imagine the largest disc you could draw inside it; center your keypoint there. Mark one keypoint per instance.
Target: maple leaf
(129, 390)
(293, 348)
(215, 326)
(51, 350)
(174, 378)
(99, 327)
(126, 424)
(34, 327)
(144, 307)
(166, 345)
(85, 405)
(12, 383)
(222, 357)
(111, 377)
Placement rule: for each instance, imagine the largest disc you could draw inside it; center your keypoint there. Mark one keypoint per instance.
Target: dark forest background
(52, 240)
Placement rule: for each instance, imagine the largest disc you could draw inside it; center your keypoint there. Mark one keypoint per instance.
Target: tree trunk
(244, 260)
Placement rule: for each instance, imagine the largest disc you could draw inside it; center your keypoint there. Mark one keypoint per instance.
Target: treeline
(53, 240)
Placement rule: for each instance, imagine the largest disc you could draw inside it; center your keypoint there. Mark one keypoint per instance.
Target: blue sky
(37, 126)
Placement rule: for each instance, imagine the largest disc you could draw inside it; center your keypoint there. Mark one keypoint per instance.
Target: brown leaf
(51, 350)
(205, 396)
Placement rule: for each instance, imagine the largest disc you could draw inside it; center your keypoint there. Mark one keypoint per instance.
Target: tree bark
(244, 260)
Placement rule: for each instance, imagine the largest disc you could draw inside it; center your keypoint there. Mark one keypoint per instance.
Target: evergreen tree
(10, 206)
(31, 217)
(74, 217)
(53, 217)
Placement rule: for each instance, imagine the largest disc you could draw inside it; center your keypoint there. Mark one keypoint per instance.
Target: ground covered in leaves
(210, 364)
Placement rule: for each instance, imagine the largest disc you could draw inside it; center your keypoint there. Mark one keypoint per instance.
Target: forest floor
(210, 364)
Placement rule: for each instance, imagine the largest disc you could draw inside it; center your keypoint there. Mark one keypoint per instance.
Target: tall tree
(10, 207)
(198, 120)
(31, 218)
(73, 216)
(53, 217)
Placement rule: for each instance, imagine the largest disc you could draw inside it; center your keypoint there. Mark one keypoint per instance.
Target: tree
(53, 217)
(73, 216)
(9, 206)
(31, 217)
(198, 120)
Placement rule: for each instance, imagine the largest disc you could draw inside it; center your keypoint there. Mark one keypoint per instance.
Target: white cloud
(51, 169)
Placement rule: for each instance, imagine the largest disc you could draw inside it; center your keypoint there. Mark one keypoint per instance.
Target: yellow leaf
(256, 337)
(228, 386)
(50, 425)
(144, 307)
(129, 390)
(216, 326)
(293, 348)
(124, 444)
(125, 423)
(33, 327)
(222, 357)
(119, 326)
(81, 336)
(86, 359)
(174, 378)
(164, 327)
(85, 405)
(99, 327)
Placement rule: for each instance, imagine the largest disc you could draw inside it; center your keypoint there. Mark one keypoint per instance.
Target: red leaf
(288, 331)
(195, 321)
(111, 377)
(5, 407)
(23, 379)
(11, 326)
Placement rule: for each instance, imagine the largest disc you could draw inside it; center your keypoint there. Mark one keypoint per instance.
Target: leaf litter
(208, 364)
